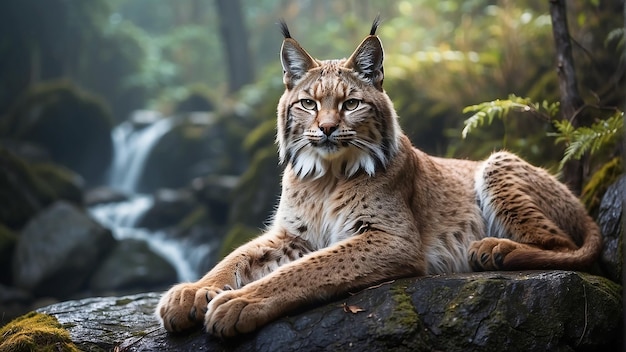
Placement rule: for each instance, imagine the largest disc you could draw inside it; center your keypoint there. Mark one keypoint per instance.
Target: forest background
(73, 71)
(441, 56)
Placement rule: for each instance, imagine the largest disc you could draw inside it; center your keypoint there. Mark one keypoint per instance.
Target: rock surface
(611, 226)
(58, 249)
(131, 267)
(492, 311)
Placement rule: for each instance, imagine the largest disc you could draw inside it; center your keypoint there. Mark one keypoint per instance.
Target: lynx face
(334, 117)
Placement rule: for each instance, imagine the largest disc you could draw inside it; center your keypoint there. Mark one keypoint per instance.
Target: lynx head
(334, 116)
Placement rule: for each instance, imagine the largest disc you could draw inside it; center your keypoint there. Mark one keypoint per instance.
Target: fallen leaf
(351, 309)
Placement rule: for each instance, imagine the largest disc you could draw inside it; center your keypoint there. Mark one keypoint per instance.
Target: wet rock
(491, 311)
(611, 225)
(215, 192)
(58, 249)
(103, 195)
(168, 209)
(132, 267)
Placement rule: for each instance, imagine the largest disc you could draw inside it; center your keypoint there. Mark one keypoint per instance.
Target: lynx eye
(351, 104)
(308, 104)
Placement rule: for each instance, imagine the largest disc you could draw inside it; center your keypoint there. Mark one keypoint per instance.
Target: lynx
(360, 205)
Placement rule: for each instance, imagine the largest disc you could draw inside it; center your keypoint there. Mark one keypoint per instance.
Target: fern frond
(501, 108)
(588, 139)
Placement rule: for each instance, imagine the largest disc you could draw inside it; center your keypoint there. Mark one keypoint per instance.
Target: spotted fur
(361, 205)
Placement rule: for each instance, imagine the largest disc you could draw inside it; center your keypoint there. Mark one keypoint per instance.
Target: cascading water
(132, 147)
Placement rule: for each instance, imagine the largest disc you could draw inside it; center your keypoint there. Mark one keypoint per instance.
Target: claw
(498, 259)
(192, 314)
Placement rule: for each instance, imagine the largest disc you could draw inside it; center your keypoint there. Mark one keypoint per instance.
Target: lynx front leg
(353, 263)
(185, 305)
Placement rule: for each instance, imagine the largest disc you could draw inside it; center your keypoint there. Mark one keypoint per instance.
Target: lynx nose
(328, 127)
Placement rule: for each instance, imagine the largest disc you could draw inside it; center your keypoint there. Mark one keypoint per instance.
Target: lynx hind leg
(519, 203)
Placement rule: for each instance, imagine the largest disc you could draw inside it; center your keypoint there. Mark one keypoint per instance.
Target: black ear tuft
(284, 29)
(295, 60)
(367, 61)
(375, 25)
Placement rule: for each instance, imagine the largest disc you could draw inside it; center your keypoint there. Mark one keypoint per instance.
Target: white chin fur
(311, 163)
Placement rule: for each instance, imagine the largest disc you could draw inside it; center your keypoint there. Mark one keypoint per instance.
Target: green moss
(123, 301)
(198, 216)
(599, 182)
(610, 288)
(404, 315)
(35, 332)
(261, 137)
(403, 330)
(140, 333)
(28, 187)
(258, 190)
(73, 125)
(238, 235)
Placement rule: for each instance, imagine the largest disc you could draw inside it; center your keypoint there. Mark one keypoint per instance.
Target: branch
(571, 101)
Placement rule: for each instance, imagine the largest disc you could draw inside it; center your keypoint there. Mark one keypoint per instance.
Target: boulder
(491, 311)
(169, 207)
(611, 225)
(132, 267)
(58, 249)
(27, 187)
(104, 195)
(72, 125)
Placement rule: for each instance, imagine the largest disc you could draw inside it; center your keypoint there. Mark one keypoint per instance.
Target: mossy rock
(35, 332)
(26, 188)
(72, 125)
(256, 196)
(197, 98)
(238, 235)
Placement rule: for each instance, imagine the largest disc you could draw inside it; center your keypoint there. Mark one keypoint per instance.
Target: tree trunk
(235, 41)
(571, 102)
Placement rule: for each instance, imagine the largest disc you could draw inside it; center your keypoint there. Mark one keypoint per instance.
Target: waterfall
(133, 142)
(184, 254)
(132, 147)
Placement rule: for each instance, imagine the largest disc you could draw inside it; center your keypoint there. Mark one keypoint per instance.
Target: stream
(133, 142)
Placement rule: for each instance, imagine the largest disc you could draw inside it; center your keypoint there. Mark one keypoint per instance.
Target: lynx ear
(367, 60)
(295, 60)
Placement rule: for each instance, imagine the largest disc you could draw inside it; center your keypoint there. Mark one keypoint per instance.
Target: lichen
(404, 314)
(35, 332)
(123, 301)
(403, 329)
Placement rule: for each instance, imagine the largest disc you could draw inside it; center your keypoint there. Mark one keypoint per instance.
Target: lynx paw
(490, 253)
(233, 313)
(184, 306)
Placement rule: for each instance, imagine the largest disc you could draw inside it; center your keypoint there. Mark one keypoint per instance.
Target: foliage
(501, 108)
(579, 141)
(599, 182)
(590, 139)
(41, 40)
(35, 332)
